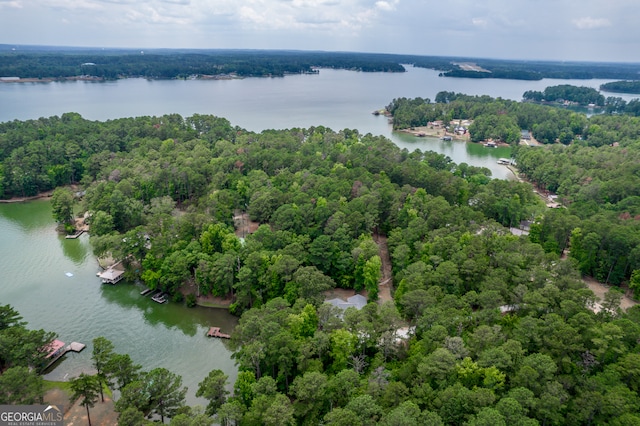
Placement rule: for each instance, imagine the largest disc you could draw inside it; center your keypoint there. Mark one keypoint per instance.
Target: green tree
(21, 386)
(101, 357)
(62, 202)
(87, 388)
(166, 394)
(213, 389)
(371, 273)
(121, 368)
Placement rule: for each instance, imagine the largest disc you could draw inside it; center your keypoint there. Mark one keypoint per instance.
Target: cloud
(386, 5)
(15, 4)
(588, 23)
(480, 22)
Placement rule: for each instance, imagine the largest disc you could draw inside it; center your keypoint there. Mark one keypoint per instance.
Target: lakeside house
(111, 276)
(55, 349)
(356, 301)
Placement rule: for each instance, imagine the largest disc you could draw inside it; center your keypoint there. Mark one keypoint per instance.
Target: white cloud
(480, 22)
(589, 23)
(387, 6)
(15, 4)
(540, 29)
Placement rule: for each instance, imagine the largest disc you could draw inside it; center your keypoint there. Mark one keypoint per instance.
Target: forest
(483, 327)
(64, 62)
(621, 86)
(566, 92)
(590, 163)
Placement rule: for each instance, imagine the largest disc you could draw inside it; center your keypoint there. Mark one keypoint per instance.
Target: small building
(55, 349)
(111, 276)
(356, 301)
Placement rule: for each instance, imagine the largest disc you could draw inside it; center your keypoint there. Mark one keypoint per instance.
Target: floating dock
(215, 332)
(145, 292)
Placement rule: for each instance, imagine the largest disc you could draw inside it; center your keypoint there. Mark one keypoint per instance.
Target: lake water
(35, 261)
(52, 282)
(336, 99)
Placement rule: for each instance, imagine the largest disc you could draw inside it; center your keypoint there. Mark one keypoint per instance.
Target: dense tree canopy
(484, 328)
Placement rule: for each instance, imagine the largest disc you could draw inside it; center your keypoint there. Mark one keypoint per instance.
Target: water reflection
(189, 321)
(29, 216)
(74, 249)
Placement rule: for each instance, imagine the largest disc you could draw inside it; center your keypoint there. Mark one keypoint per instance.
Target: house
(55, 349)
(356, 301)
(111, 276)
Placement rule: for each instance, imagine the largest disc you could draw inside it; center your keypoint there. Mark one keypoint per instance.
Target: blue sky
(592, 30)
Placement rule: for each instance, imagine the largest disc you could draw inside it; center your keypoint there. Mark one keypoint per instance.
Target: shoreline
(428, 131)
(46, 194)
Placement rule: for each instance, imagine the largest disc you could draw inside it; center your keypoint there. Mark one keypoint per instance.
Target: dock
(146, 291)
(215, 332)
(74, 236)
(112, 275)
(57, 349)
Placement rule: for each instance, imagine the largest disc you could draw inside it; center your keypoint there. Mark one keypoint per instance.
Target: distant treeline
(537, 70)
(621, 87)
(566, 92)
(51, 62)
(159, 64)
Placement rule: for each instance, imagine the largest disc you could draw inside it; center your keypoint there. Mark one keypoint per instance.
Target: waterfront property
(111, 276)
(58, 348)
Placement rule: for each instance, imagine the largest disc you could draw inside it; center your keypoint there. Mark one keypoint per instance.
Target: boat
(490, 145)
(504, 161)
(446, 138)
(161, 298)
(146, 291)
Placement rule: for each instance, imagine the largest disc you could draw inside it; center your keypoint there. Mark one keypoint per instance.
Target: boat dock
(74, 236)
(215, 332)
(57, 349)
(113, 274)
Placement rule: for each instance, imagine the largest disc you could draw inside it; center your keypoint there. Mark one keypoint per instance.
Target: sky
(582, 30)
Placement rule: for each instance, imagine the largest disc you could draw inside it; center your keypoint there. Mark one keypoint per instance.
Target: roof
(356, 301)
(111, 274)
(54, 347)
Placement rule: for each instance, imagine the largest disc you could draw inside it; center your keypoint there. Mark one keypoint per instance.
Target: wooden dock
(74, 236)
(146, 292)
(215, 332)
(57, 353)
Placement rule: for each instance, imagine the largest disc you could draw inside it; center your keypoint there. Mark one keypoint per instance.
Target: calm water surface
(35, 262)
(336, 99)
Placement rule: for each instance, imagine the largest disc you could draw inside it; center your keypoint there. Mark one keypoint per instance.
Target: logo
(31, 415)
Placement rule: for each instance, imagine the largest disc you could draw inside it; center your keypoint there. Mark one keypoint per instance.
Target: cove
(51, 281)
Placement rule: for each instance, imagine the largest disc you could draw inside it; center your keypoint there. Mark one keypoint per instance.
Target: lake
(52, 282)
(337, 99)
(35, 260)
